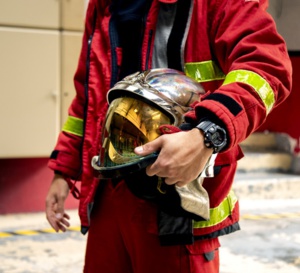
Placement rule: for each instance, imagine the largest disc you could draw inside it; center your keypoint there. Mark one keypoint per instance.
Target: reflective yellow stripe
(258, 83)
(219, 213)
(26, 232)
(74, 126)
(204, 71)
(5, 234)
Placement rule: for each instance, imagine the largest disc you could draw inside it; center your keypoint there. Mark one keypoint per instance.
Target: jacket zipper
(113, 42)
(144, 20)
(86, 86)
(148, 49)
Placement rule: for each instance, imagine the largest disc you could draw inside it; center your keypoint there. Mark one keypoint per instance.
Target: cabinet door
(30, 13)
(73, 14)
(286, 16)
(29, 95)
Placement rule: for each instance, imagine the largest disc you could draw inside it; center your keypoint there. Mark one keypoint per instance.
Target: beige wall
(286, 15)
(40, 44)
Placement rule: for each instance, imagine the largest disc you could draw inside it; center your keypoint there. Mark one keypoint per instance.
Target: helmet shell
(169, 90)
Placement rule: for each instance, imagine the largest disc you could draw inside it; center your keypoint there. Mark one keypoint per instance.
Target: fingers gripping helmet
(138, 105)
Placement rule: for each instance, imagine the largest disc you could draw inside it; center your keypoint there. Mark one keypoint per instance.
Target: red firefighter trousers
(123, 239)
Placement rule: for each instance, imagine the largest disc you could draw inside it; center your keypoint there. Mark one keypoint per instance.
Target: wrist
(70, 183)
(199, 138)
(58, 174)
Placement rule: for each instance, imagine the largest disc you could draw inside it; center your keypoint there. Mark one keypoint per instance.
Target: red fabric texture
(123, 239)
(217, 32)
(216, 197)
(285, 119)
(234, 49)
(168, 129)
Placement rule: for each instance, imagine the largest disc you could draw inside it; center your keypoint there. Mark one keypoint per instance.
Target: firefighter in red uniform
(232, 48)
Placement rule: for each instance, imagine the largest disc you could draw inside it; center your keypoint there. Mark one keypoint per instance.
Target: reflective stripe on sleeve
(204, 71)
(73, 126)
(219, 213)
(258, 83)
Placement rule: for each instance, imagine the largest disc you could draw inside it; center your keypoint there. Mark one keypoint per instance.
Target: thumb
(148, 148)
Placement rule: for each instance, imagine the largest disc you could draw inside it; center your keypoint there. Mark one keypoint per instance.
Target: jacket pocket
(203, 256)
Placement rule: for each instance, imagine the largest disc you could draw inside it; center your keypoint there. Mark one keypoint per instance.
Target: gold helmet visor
(129, 123)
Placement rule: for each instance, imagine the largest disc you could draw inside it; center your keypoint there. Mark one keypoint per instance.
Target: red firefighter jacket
(230, 46)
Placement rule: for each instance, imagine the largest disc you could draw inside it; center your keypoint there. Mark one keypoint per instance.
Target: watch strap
(209, 129)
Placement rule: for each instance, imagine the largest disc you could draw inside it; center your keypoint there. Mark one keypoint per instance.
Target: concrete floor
(266, 243)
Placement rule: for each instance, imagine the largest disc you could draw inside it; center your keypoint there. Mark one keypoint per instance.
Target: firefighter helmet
(138, 105)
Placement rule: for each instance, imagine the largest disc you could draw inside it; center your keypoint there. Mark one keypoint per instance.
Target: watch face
(217, 138)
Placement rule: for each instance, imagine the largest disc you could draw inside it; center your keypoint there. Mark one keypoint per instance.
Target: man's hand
(182, 156)
(55, 202)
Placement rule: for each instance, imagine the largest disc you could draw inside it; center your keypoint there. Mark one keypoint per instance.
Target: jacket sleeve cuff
(57, 163)
(223, 113)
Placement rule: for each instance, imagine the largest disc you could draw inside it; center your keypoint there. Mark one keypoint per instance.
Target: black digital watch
(214, 135)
